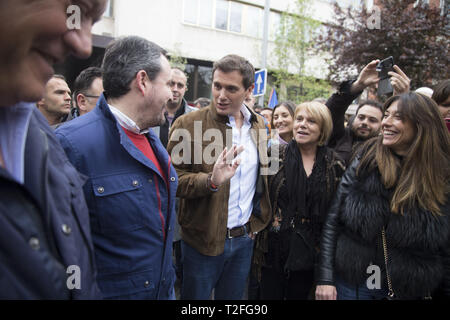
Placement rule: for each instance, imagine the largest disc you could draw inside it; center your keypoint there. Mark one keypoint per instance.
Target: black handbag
(302, 253)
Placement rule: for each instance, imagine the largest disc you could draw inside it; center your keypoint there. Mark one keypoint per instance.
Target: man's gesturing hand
(226, 165)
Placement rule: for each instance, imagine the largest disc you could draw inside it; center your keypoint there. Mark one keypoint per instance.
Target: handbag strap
(391, 291)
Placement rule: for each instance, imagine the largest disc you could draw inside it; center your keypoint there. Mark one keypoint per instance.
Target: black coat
(418, 243)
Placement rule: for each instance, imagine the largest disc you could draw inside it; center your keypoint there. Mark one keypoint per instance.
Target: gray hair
(124, 58)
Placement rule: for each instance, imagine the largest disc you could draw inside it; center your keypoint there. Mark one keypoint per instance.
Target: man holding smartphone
(367, 120)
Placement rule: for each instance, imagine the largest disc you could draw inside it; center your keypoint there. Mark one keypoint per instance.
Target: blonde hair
(320, 113)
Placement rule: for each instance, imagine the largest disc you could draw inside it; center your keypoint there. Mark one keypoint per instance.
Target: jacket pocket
(119, 202)
(126, 286)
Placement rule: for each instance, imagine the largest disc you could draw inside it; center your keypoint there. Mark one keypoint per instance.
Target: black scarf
(295, 195)
(307, 196)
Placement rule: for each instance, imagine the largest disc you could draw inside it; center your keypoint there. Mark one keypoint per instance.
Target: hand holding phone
(383, 68)
(399, 81)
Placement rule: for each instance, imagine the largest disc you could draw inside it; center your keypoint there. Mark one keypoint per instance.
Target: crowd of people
(119, 189)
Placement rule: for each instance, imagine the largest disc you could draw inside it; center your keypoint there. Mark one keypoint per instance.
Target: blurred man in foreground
(45, 244)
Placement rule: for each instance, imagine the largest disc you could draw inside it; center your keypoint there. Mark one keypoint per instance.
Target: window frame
(244, 15)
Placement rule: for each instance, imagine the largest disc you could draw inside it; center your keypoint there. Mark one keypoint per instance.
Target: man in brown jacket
(220, 154)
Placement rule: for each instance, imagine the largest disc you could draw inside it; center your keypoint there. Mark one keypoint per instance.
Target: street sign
(260, 83)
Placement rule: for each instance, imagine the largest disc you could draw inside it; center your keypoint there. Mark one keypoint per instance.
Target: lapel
(160, 152)
(166, 166)
(36, 154)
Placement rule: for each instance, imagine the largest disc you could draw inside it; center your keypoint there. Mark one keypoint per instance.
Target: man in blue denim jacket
(132, 183)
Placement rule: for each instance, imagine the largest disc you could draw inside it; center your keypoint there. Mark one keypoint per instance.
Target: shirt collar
(125, 121)
(245, 112)
(14, 123)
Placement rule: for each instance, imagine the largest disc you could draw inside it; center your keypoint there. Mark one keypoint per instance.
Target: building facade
(202, 31)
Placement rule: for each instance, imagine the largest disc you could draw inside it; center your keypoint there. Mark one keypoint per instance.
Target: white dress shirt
(243, 183)
(125, 121)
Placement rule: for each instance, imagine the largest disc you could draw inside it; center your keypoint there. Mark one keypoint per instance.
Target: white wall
(161, 21)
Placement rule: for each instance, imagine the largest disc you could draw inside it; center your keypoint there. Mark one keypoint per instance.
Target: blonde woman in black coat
(300, 195)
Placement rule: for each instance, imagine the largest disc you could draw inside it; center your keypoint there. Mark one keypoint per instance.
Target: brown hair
(233, 62)
(441, 91)
(290, 106)
(422, 177)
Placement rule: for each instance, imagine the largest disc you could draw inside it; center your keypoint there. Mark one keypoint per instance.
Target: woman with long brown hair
(392, 211)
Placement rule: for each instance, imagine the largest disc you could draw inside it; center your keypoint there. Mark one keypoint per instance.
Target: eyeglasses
(90, 96)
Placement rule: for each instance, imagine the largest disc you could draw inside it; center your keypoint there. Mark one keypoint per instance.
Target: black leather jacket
(325, 270)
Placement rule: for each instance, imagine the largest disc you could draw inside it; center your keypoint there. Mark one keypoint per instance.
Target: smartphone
(384, 85)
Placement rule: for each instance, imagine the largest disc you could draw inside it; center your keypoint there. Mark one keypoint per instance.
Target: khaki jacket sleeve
(191, 184)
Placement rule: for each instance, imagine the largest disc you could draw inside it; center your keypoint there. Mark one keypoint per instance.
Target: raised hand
(368, 76)
(399, 81)
(226, 165)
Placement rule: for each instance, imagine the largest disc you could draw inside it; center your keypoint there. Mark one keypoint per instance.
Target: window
(205, 13)
(254, 22)
(274, 24)
(236, 17)
(230, 16)
(191, 83)
(222, 14)
(199, 82)
(190, 11)
(204, 81)
(109, 9)
(198, 12)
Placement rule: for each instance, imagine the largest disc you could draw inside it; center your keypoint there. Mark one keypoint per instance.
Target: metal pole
(265, 43)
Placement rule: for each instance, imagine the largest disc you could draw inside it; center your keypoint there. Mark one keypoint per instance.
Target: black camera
(384, 85)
